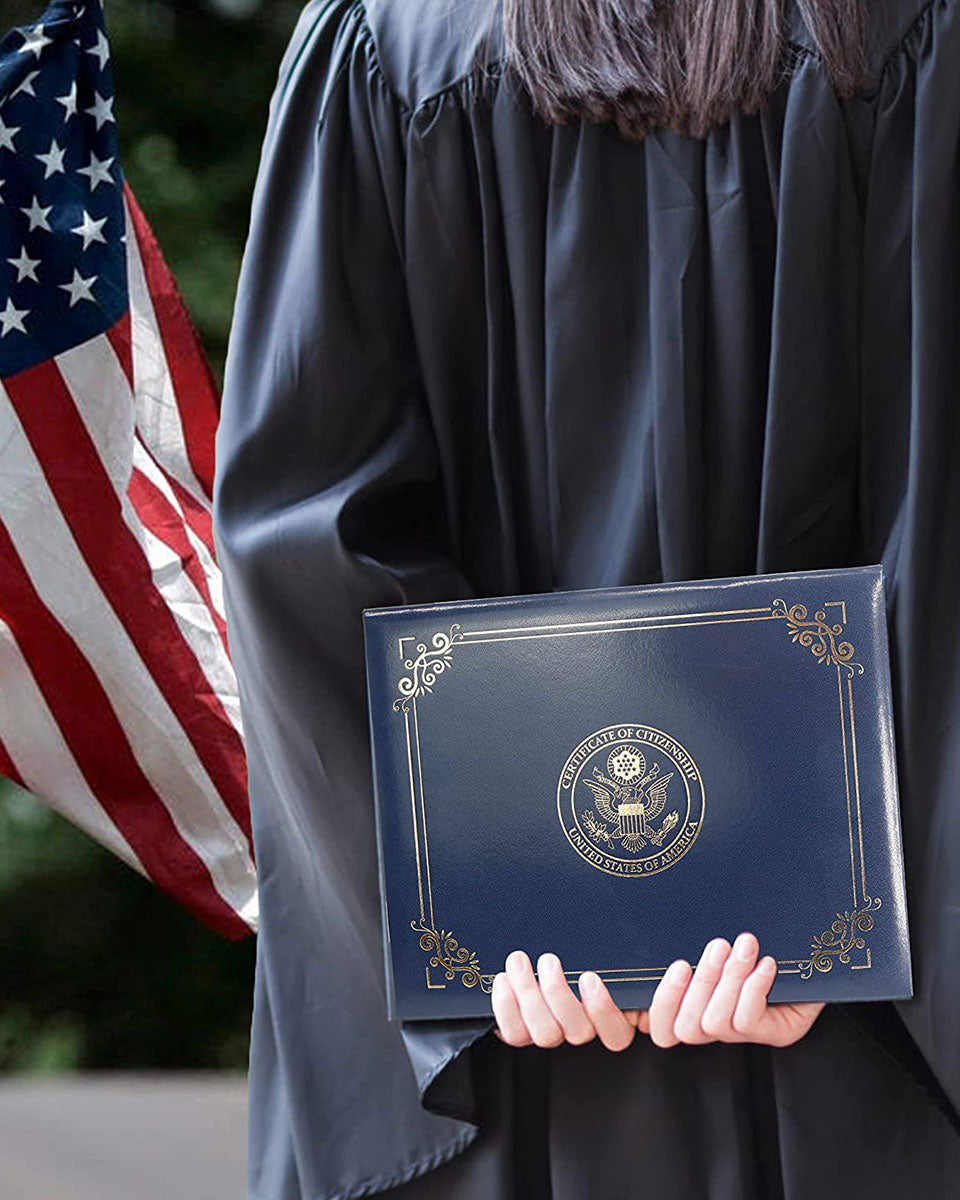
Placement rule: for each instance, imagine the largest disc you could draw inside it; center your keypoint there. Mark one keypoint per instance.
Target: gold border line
(633, 978)
(413, 807)
(723, 612)
(476, 640)
(846, 780)
(642, 974)
(842, 605)
(856, 781)
(423, 811)
(605, 971)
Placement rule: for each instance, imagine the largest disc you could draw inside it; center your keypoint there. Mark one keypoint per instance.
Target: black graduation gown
(476, 355)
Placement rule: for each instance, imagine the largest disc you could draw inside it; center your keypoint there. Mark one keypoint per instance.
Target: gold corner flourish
(818, 635)
(430, 662)
(843, 936)
(452, 958)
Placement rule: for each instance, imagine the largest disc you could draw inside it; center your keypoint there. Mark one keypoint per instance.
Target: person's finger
(539, 1020)
(784, 1024)
(752, 1004)
(687, 1026)
(613, 1028)
(643, 1020)
(576, 1025)
(717, 1018)
(666, 1003)
(510, 1025)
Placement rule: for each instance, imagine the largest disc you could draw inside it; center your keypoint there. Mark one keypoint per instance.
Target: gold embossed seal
(631, 800)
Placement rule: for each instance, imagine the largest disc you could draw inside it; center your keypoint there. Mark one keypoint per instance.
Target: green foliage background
(97, 968)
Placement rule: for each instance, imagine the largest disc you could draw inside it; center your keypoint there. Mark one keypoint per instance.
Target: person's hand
(547, 1013)
(723, 1000)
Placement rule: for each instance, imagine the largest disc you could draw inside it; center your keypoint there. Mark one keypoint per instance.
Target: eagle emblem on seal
(629, 799)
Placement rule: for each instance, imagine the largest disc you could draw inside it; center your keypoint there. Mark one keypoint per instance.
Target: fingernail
(678, 971)
(549, 963)
(516, 960)
(743, 947)
(589, 981)
(716, 955)
(768, 965)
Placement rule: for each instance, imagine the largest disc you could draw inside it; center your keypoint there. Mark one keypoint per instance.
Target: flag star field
(63, 273)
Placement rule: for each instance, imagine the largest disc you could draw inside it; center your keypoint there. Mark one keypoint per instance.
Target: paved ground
(123, 1137)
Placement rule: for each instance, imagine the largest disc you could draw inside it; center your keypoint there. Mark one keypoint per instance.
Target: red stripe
(162, 519)
(195, 515)
(120, 338)
(100, 748)
(91, 507)
(8, 768)
(193, 382)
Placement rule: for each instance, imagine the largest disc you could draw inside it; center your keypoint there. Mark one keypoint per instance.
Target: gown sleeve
(328, 499)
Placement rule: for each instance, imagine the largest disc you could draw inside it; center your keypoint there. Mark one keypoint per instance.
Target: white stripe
(45, 762)
(96, 380)
(157, 415)
(194, 621)
(59, 573)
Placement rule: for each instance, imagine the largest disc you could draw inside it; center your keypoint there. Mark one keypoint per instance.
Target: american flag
(118, 703)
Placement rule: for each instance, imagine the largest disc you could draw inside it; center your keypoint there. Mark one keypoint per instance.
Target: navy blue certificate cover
(618, 775)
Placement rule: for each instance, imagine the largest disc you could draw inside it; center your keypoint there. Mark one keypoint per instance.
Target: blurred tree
(97, 968)
(192, 84)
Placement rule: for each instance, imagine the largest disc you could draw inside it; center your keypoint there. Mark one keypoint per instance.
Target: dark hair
(685, 65)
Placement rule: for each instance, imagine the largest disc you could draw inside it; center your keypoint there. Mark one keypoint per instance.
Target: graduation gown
(477, 355)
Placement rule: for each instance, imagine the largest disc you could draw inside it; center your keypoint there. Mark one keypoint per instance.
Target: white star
(26, 266)
(90, 230)
(102, 109)
(37, 215)
(101, 51)
(26, 86)
(34, 41)
(99, 171)
(78, 287)
(69, 102)
(12, 318)
(7, 134)
(52, 160)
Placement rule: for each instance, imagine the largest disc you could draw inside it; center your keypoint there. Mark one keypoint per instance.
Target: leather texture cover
(618, 775)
